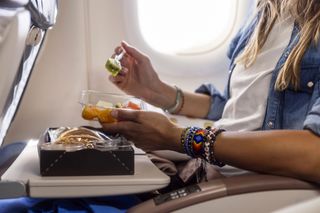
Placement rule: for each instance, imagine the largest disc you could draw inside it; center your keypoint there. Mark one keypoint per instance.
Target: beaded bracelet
(189, 138)
(198, 142)
(183, 137)
(212, 136)
(192, 140)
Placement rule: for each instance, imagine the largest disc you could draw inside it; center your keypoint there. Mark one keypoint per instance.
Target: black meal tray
(85, 162)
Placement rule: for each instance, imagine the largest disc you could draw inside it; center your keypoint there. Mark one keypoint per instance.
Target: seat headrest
(13, 3)
(43, 12)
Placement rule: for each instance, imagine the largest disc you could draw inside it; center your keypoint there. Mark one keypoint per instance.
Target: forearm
(284, 152)
(195, 105)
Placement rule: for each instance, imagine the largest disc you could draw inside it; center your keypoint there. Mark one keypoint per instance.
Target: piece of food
(104, 104)
(132, 105)
(102, 110)
(105, 116)
(113, 66)
(94, 112)
(118, 105)
(79, 136)
(90, 112)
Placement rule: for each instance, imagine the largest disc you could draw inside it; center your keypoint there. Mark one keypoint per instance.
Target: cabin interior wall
(72, 59)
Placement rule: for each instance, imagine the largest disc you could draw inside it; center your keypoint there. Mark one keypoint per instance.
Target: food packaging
(84, 151)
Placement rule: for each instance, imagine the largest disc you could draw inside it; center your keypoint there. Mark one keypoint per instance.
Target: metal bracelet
(179, 95)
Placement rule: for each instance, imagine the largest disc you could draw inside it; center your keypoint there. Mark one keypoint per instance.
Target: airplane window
(185, 26)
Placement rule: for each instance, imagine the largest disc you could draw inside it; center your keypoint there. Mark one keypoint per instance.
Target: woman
(274, 85)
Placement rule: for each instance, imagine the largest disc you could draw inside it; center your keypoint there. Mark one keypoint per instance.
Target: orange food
(105, 116)
(132, 105)
(102, 113)
(92, 112)
(89, 112)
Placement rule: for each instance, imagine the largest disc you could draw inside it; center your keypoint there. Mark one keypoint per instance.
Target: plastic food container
(98, 105)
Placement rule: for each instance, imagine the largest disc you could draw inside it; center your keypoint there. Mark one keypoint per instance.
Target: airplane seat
(23, 25)
(242, 193)
(9, 153)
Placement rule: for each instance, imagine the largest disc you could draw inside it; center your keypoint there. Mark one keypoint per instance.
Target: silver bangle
(177, 103)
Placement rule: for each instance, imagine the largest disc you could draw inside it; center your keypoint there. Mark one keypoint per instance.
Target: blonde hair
(306, 14)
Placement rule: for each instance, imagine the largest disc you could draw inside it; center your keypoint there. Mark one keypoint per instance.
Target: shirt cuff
(312, 121)
(218, 101)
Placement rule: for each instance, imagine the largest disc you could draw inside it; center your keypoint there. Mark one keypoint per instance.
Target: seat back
(23, 25)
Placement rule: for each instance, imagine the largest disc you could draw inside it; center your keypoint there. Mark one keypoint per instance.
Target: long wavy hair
(306, 14)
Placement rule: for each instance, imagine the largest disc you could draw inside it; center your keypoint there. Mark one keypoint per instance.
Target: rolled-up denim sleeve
(218, 101)
(312, 121)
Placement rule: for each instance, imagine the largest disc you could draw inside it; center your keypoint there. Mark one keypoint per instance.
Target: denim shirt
(288, 109)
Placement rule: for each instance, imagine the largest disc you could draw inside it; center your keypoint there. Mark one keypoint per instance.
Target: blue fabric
(116, 204)
(288, 109)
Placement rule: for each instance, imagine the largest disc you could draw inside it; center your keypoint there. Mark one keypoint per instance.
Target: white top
(249, 87)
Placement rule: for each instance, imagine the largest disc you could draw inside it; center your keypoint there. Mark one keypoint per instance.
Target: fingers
(121, 79)
(126, 60)
(126, 115)
(139, 56)
(118, 50)
(117, 79)
(123, 127)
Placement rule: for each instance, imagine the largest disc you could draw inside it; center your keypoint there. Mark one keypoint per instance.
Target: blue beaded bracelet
(198, 142)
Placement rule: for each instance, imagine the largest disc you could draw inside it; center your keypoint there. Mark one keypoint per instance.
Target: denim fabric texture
(288, 109)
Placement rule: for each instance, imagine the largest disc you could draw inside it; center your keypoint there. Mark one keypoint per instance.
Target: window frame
(188, 66)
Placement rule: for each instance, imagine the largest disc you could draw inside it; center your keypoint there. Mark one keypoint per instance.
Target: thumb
(132, 51)
(125, 114)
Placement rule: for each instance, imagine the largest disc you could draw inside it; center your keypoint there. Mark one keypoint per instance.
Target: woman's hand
(148, 130)
(137, 77)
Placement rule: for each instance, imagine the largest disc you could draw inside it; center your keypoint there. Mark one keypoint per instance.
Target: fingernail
(114, 113)
(124, 43)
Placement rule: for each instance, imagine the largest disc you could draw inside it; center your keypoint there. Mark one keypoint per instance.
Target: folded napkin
(189, 170)
(163, 164)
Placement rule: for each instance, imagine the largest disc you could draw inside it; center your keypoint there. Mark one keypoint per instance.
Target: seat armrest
(219, 188)
(257, 183)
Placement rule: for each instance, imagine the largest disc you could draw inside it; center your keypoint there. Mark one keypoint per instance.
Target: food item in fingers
(102, 110)
(90, 112)
(95, 112)
(105, 116)
(113, 66)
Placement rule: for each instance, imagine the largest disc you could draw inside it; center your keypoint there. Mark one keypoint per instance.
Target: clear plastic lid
(110, 100)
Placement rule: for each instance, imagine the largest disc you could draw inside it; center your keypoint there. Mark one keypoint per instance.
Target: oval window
(185, 26)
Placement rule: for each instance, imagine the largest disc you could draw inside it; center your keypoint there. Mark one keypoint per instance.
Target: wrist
(164, 96)
(178, 102)
(176, 139)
